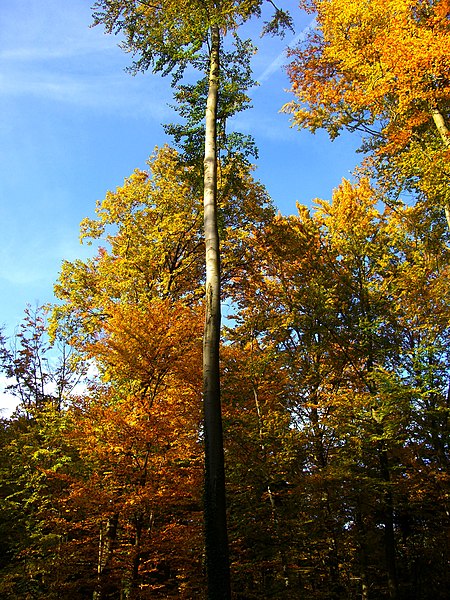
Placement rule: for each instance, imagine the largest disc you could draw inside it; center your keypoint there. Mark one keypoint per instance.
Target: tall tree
(151, 262)
(167, 36)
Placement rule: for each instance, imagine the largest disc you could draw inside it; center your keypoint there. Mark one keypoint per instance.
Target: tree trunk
(389, 534)
(444, 132)
(362, 550)
(273, 506)
(441, 126)
(107, 537)
(216, 540)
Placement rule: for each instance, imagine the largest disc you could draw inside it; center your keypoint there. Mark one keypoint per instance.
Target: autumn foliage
(383, 68)
(334, 364)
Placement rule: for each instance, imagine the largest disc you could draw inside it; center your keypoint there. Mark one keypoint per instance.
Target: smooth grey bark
(444, 132)
(216, 539)
(441, 126)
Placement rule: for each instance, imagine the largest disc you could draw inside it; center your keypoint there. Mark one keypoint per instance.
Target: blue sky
(74, 124)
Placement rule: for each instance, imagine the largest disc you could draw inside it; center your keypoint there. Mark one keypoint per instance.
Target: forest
(228, 402)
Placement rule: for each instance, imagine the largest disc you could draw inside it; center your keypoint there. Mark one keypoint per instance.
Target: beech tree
(382, 68)
(168, 36)
(150, 264)
(335, 397)
(335, 374)
(137, 432)
(350, 353)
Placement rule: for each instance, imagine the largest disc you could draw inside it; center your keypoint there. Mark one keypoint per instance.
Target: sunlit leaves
(382, 68)
(349, 302)
(168, 35)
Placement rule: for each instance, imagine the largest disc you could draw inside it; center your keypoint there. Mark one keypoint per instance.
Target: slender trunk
(389, 534)
(332, 556)
(216, 540)
(363, 550)
(444, 132)
(107, 537)
(137, 552)
(441, 126)
(273, 506)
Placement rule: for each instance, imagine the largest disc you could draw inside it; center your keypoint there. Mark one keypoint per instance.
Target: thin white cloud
(39, 262)
(55, 56)
(71, 47)
(117, 92)
(271, 127)
(31, 31)
(281, 58)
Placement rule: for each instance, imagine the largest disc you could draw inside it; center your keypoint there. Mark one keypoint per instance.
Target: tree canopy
(330, 426)
(381, 68)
